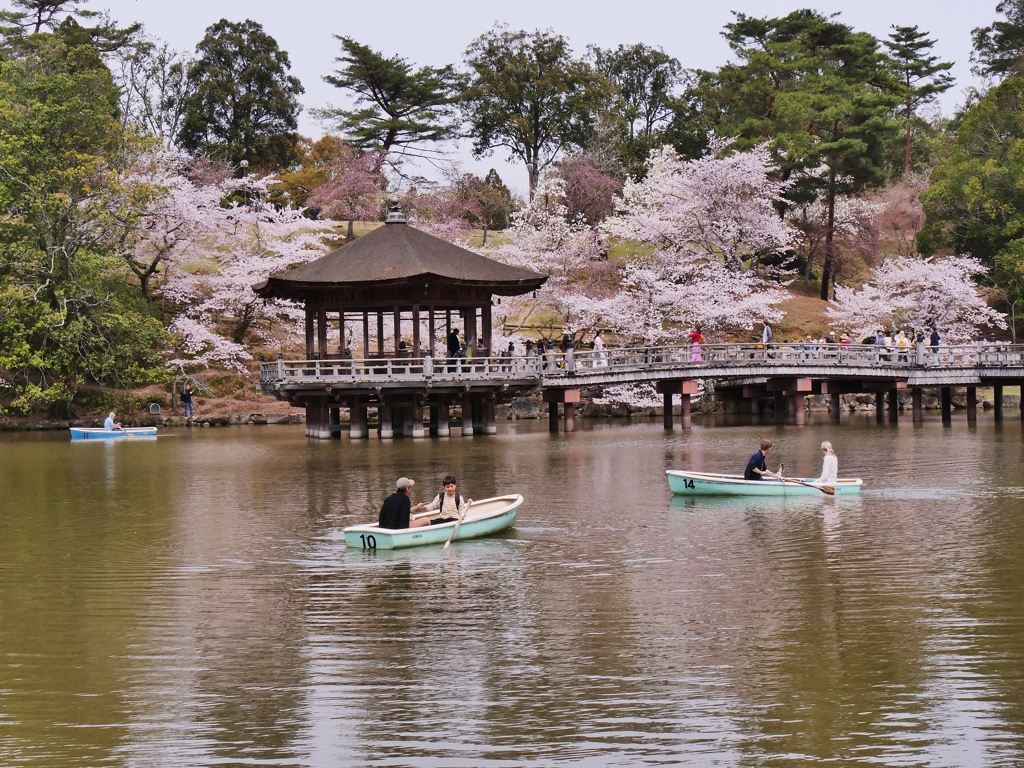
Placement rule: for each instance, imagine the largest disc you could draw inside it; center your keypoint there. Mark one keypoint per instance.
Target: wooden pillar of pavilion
(972, 405)
(356, 426)
(321, 333)
(380, 333)
(417, 418)
(490, 422)
(917, 398)
(835, 405)
(471, 331)
(398, 330)
(485, 321)
(879, 407)
(416, 338)
(666, 404)
(894, 406)
(997, 401)
(431, 331)
(947, 405)
(386, 415)
(553, 418)
(310, 331)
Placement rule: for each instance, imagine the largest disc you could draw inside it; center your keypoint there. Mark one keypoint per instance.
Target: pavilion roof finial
(395, 215)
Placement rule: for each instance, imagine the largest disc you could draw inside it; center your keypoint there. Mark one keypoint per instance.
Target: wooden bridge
(785, 373)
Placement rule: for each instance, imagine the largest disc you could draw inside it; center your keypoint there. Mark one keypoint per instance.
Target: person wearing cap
(396, 510)
(450, 502)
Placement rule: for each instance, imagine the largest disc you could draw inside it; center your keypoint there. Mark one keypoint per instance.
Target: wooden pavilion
(414, 284)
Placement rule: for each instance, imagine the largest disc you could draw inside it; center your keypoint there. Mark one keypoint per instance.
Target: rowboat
(482, 519)
(93, 433)
(707, 484)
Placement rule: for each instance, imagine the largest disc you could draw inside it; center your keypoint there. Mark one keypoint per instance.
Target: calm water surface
(189, 601)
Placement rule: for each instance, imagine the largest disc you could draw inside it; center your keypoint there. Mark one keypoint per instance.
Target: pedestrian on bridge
(696, 339)
(935, 339)
(599, 349)
(648, 342)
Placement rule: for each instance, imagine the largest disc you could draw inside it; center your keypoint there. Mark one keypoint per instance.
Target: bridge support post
(354, 432)
(666, 399)
(386, 414)
(972, 405)
(755, 406)
(947, 405)
(335, 418)
(569, 413)
(917, 397)
(997, 401)
(780, 408)
(417, 419)
(407, 422)
(467, 414)
(685, 417)
(835, 404)
(553, 418)
(799, 414)
(443, 414)
(683, 388)
(490, 423)
(894, 406)
(879, 407)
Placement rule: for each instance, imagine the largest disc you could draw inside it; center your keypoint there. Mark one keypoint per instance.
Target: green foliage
(68, 314)
(396, 106)
(528, 94)
(999, 47)
(975, 203)
(243, 104)
(32, 17)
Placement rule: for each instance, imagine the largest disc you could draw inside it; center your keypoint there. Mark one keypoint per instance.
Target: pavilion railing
(573, 363)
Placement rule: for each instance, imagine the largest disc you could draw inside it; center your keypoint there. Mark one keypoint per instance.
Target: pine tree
(924, 77)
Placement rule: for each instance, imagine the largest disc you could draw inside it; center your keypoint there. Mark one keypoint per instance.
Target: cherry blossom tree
(353, 188)
(714, 228)
(573, 254)
(720, 207)
(232, 247)
(905, 291)
(854, 230)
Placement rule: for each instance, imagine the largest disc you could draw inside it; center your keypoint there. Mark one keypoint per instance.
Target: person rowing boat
(757, 469)
(109, 424)
(451, 504)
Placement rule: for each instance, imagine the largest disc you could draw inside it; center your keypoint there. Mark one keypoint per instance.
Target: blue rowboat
(707, 484)
(91, 433)
(482, 519)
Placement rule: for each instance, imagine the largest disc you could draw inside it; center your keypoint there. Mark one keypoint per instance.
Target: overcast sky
(437, 32)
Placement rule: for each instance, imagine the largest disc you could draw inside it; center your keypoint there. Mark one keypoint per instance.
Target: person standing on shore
(186, 402)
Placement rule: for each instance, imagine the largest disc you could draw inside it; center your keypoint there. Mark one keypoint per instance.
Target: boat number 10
(369, 542)
(687, 483)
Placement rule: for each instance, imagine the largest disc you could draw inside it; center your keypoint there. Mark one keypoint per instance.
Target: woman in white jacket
(829, 465)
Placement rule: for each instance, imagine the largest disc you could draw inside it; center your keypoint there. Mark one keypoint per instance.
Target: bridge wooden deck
(784, 372)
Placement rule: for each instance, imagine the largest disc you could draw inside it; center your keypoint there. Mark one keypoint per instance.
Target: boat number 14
(687, 483)
(369, 542)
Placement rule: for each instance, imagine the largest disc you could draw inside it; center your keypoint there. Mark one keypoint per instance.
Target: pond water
(189, 601)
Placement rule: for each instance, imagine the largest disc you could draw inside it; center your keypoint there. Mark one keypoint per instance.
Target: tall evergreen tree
(32, 17)
(528, 94)
(243, 104)
(999, 47)
(397, 106)
(923, 76)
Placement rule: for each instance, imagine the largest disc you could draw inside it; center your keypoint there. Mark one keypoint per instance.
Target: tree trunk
(830, 231)
(485, 236)
(351, 231)
(906, 161)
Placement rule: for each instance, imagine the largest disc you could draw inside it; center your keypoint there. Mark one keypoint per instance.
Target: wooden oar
(456, 528)
(826, 489)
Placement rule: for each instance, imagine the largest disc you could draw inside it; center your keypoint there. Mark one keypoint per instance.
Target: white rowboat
(707, 484)
(482, 519)
(92, 433)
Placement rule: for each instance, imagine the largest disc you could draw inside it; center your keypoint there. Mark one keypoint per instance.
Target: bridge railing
(694, 358)
(398, 368)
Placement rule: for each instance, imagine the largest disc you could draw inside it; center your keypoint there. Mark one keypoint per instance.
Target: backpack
(440, 500)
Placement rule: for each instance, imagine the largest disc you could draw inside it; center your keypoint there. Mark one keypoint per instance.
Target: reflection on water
(189, 601)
